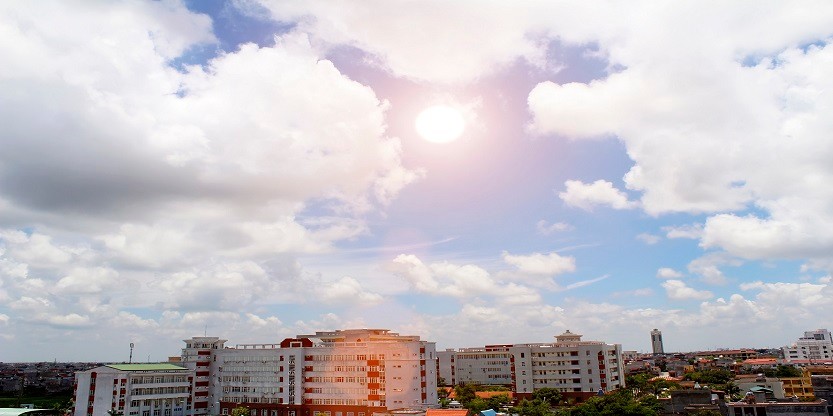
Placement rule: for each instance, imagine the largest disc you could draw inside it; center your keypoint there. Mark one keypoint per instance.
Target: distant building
(814, 345)
(568, 364)
(656, 342)
(134, 390)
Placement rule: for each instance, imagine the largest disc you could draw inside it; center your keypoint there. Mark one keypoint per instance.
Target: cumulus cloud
(545, 228)
(678, 290)
(691, 231)
(708, 267)
(176, 190)
(589, 195)
(549, 264)
(668, 273)
(460, 281)
(649, 239)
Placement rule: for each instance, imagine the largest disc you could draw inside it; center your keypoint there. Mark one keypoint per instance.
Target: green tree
(240, 411)
(710, 376)
(704, 412)
(732, 391)
(464, 393)
(787, 371)
(532, 408)
(618, 403)
(548, 395)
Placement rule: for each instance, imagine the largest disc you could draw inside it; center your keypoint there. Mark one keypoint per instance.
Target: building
(568, 364)
(200, 355)
(355, 372)
(814, 345)
(134, 390)
(656, 342)
(800, 387)
(763, 408)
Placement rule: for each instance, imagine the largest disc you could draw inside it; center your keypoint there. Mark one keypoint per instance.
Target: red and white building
(134, 390)
(356, 372)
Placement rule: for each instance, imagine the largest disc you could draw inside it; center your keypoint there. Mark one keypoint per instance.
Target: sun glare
(440, 124)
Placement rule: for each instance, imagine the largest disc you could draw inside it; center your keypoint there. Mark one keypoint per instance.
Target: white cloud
(649, 239)
(427, 40)
(415, 272)
(707, 266)
(678, 290)
(668, 273)
(587, 196)
(545, 228)
(549, 264)
(692, 231)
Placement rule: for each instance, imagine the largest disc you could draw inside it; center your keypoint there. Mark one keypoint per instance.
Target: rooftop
(146, 367)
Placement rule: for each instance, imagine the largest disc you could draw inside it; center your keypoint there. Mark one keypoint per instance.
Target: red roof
(446, 412)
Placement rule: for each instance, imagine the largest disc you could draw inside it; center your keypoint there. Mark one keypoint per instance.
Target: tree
(732, 391)
(464, 393)
(704, 412)
(114, 412)
(787, 371)
(548, 395)
(240, 411)
(619, 402)
(535, 407)
(710, 376)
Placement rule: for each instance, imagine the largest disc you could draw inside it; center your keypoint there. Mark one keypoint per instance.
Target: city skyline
(470, 173)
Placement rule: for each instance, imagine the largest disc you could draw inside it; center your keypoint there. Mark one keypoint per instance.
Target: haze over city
(471, 172)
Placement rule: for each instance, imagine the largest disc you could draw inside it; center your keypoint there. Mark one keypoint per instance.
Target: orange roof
(488, 394)
(756, 361)
(446, 412)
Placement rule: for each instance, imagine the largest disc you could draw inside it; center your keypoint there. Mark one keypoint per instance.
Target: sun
(440, 124)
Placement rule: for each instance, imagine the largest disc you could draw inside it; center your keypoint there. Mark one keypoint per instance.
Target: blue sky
(251, 169)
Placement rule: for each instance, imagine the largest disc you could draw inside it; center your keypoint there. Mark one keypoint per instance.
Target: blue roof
(488, 412)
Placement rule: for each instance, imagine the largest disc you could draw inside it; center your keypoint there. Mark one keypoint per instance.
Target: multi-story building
(568, 364)
(814, 345)
(200, 355)
(656, 342)
(336, 373)
(134, 390)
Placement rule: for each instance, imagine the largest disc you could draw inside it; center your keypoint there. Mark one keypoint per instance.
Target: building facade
(355, 372)
(134, 390)
(814, 345)
(568, 364)
(656, 342)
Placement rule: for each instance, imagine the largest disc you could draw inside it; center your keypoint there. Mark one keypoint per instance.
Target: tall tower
(656, 341)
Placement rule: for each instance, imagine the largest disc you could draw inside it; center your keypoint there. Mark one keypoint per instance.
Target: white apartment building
(134, 390)
(814, 345)
(355, 372)
(568, 364)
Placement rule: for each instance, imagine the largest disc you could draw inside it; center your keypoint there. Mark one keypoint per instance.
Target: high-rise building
(656, 342)
(568, 364)
(356, 372)
(814, 345)
(134, 390)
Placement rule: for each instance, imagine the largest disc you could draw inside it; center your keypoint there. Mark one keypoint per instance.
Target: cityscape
(366, 372)
(416, 208)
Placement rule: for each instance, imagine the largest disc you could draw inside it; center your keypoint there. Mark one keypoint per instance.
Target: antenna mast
(131, 353)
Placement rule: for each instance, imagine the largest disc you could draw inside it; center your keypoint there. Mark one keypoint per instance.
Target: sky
(250, 169)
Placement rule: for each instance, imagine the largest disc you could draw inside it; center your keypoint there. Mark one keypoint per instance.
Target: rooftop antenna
(131, 354)
(205, 332)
